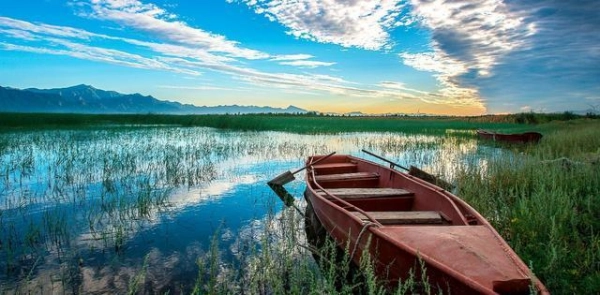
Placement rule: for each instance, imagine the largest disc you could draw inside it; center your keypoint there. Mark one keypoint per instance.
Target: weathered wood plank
(335, 168)
(359, 193)
(403, 217)
(347, 176)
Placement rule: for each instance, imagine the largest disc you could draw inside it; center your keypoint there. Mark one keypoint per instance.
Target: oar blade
(282, 178)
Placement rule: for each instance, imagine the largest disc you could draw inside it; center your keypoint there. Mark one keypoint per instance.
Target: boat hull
(461, 253)
(527, 137)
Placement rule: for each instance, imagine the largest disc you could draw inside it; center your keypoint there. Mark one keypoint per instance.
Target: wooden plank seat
(364, 193)
(329, 168)
(347, 176)
(403, 217)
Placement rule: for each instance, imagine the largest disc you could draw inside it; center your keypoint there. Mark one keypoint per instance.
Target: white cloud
(467, 37)
(45, 29)
(300, 60)
(391, 85)
(436, 61)
(18, 34)
(526, 109)
(203, 87)
(307, 63)
(357, 23)
(291, 57)
(477, 34)
(449, 94)
(447, 71)
(99, 54)
(154, 20)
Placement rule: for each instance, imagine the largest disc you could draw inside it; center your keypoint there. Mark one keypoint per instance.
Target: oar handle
(313, 163)
(384, 159)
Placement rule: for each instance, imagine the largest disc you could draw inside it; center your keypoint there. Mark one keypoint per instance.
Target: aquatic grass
(89, 192)
(138, 279)
(94, 190)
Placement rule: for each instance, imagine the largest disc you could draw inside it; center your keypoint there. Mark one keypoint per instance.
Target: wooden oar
(288, 176)
(285, 196)
(416, 172)
(392, 164)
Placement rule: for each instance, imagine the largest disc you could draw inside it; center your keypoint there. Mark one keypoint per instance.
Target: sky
(453, 57)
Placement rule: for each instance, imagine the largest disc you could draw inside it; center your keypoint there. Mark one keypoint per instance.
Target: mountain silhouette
(87, 99)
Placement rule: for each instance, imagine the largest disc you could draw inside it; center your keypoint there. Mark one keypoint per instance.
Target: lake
(151, 209)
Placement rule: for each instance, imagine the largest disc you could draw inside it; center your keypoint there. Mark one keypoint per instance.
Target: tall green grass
(302, 123)
(282, 263)
(545, 201)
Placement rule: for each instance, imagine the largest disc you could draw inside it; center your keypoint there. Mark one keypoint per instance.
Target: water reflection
(92, 210)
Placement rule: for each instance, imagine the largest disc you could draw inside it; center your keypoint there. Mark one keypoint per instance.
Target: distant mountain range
(90, 100)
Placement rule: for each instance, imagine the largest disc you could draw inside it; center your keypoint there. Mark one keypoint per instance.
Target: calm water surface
(89, 210)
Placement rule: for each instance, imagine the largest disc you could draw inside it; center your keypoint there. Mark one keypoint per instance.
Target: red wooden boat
(402, 221)
(527, 137)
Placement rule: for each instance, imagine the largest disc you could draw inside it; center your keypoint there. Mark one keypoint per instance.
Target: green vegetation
(282, 263)
(102, 186)
(545, 201)
(310, 123)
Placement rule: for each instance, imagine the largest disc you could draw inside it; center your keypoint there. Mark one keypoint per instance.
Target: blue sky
(379, 56)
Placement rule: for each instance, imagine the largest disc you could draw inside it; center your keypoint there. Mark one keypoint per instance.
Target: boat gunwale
(523, 137)
(334, 197)
(454, 200)
(374, 230)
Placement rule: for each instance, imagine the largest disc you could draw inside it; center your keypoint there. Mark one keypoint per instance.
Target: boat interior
(420, 215)
(370, 191)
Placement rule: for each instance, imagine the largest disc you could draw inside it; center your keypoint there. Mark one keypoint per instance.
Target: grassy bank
(302, 123)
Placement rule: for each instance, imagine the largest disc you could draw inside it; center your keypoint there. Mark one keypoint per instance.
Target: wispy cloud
(17, 34)
(202, 87)
(447, 71)
(437, 61)
(356, 23)
(99, 54)
(178, 58)
(474, 33)
(300, 60)
(45, 29)
(449, 95)
(150, 18)
(291, 57)
(307, 63)
(392, 85)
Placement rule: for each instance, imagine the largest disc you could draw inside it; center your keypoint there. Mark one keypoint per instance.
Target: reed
(300, 123)
(76, 191)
